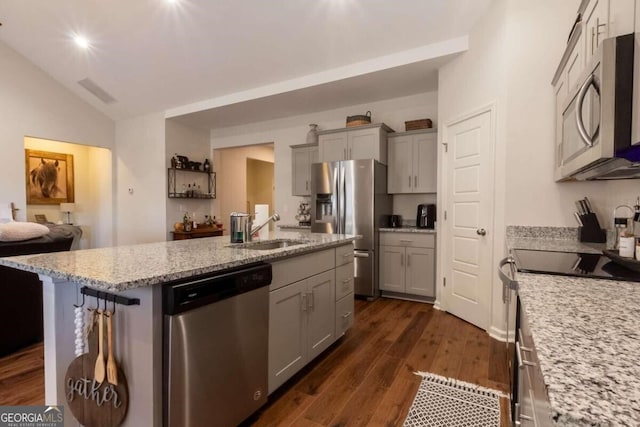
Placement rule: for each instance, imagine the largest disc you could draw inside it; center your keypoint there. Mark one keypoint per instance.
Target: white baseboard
(500, 334)
(437, 305)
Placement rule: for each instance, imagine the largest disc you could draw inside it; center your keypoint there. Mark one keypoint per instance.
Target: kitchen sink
(268, 244)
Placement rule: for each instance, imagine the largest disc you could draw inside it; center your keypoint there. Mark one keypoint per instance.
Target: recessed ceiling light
(81, 41)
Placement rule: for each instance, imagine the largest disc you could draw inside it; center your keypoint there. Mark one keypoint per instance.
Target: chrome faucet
(275, 217)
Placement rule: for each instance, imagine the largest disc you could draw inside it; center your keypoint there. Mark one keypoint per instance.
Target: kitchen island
(137, 271)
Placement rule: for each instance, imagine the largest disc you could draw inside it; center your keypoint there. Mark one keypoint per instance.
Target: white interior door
(469, 205)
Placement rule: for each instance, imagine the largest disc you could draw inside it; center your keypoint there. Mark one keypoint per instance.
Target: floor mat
(446, 402)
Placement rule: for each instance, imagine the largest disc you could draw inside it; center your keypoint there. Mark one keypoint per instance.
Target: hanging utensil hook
(81, 305)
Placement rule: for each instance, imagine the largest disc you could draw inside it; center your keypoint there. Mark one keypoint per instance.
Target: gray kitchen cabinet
(303, 310)
(606, 18)
(302, 156)
(321, 312)
(532, 406)
(413, 162)
(363, 142)
(407, 264)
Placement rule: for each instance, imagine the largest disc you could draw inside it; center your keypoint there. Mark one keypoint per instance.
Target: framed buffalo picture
(49, 177)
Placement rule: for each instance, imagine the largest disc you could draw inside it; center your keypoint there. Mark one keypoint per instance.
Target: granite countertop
(586, 335)
(127, 267)
(408, 230)
(301, 227)
(557, 245)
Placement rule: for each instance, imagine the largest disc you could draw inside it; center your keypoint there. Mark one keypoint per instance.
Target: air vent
(100, 93)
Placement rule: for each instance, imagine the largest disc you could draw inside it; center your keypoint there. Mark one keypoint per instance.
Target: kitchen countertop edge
(408, 230)
(45, 264)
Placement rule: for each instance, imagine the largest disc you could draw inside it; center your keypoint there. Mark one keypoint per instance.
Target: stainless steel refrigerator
(350, 197)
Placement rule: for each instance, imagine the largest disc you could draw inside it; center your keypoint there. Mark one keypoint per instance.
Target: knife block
(590, 231)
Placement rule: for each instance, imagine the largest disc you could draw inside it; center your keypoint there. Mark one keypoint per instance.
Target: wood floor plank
(403, 345)
(362, 404)
(328, 405)
(475, 362)
(22, 377)
(395, 405)
(448, 358)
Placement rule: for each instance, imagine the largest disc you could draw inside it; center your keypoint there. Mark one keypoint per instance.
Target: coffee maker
(426, 216)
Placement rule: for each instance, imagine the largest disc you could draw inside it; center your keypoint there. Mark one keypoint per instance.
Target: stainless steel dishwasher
(215, 347)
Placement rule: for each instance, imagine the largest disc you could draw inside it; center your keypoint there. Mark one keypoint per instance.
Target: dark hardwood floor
(366, 378)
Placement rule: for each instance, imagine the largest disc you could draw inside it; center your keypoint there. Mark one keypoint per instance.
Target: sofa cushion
(15, 231)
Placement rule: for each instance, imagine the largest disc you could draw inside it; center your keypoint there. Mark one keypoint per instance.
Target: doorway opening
(244, 178)
(81, 194)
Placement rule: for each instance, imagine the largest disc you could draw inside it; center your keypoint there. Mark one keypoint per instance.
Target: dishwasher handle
(187, 294)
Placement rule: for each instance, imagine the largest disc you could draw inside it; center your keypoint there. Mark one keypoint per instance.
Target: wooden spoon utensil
(112, 368)
(99, 372)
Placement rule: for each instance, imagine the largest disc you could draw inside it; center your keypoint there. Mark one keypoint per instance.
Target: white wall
(195, 144)
(92, 191)
(474, 80)
(513, 54)
(293, 130)
(141, 180)
(537, 35)
(33, 104)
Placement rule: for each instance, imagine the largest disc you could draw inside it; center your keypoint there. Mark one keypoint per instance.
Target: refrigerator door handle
(336, 192)
(343, 200)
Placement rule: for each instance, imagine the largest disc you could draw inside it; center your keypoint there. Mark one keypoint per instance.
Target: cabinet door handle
(346, 315)
(344, 154)
(304, 302)
(409, 181)
(307, 185)
(311, 300)
(350, 154)
(415, 181)
(401, 259)
(521, 361)
(345, 281)
(406, 241)
(408, 260)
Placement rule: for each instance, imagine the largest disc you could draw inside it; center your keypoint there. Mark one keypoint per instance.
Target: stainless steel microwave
(597, 116)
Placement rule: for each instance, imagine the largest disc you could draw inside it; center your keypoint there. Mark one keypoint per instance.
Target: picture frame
(41, 218)
(49, 177)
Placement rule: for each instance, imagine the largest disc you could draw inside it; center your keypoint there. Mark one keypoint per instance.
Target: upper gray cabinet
(362, 142)
(302, 156)
(413, 163)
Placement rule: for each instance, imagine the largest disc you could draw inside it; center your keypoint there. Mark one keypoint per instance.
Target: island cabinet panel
(287, 332)
(305, 315)
(321, 312)
(289, 271)
(301, 325)
(344, 314)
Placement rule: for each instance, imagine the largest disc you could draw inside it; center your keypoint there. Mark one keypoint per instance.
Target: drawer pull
(406, 241)
(347, 255)
(346, 315)
(345, 281)
(304, 302)
(521, 361)
(522, 347)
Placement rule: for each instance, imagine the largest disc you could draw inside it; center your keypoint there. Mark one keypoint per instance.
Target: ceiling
(188, 56)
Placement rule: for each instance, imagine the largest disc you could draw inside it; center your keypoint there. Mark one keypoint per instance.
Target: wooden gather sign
(92, 403)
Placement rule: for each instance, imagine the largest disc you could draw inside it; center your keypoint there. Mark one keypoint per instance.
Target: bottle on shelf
(206, 166)
(195, 222)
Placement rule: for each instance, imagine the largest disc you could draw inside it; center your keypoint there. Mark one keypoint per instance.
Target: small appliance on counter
(426, 216)
(395, 221)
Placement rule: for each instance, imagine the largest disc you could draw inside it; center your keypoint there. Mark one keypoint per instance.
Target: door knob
(481, 232)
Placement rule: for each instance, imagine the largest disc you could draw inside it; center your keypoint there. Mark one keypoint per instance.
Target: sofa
(21, 302)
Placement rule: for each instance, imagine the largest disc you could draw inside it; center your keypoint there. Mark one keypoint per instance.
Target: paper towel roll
(261, 215)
